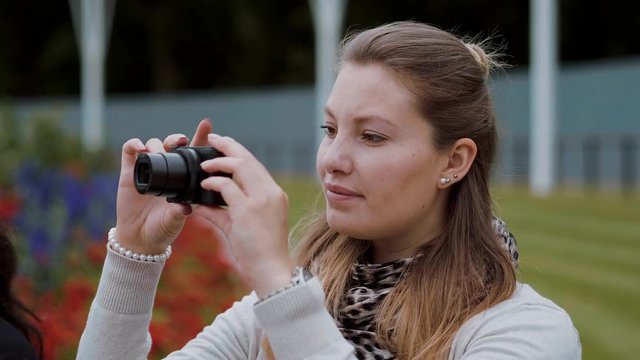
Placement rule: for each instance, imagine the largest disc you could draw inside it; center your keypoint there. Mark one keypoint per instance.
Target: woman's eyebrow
(328, 112)
(362, 118)
(369, 118)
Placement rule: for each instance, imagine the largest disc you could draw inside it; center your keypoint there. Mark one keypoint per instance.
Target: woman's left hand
(255, 221)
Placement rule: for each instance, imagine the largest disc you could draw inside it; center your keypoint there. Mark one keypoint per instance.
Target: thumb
(174, 218)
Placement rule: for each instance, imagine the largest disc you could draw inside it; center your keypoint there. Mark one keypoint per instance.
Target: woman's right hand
(148, 224)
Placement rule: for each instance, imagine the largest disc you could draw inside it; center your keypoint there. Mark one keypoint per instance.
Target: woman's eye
(330, 131)
(373, 138)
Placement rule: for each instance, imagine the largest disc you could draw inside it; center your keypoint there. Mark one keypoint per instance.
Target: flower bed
(197, 283)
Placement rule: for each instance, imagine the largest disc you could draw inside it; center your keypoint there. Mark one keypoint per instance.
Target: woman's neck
(386, 251)
(381, 253)
(404, 245)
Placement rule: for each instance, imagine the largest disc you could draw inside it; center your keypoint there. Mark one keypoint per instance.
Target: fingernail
(213, 136)
(183, 139)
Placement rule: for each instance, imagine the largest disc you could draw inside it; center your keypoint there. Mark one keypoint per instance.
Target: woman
(19, 337)
(403, 263)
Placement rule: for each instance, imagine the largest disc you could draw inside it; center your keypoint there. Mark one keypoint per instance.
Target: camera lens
(143, 174)
(176, 175)
(161, 174)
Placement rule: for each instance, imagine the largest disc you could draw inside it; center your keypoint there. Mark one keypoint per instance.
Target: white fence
(598, 122)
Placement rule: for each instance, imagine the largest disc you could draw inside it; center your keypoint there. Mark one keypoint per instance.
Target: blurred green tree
(164, 45)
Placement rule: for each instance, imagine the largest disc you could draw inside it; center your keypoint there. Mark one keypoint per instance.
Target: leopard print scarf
(370, 284)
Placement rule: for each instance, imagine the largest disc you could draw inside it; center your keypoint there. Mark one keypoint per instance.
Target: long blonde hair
(465, 270)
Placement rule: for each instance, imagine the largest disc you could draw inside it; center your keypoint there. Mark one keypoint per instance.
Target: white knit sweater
(298, 326)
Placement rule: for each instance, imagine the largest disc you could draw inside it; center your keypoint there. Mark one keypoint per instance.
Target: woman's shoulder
(527, 298)
(527, 322)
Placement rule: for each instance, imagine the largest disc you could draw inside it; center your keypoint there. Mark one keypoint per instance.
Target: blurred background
(73, 90)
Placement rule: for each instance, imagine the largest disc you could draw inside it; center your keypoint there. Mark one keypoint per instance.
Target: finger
(247, 174)
(155, 145)
(229, 146)
(229, 190)
(229, 165)
(217, 216)
(130, 151)
(200, 137)
(174, 140)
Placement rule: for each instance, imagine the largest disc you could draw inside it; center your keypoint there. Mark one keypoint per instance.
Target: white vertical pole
(327, 19)
(544, 64)
(92, 23)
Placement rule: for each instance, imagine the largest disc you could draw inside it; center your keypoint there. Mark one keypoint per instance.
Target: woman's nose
(335, 156)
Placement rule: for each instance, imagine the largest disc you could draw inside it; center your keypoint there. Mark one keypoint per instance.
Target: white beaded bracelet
(115, 246)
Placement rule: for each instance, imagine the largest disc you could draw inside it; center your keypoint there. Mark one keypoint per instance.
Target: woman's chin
(349, 228)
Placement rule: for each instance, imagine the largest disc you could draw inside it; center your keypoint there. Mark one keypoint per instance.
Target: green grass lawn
(583, 251)
(580, 249)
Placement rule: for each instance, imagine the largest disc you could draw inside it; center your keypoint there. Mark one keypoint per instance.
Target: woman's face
(377, 164)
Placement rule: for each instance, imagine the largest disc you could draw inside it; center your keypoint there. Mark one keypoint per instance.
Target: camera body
(177, 175)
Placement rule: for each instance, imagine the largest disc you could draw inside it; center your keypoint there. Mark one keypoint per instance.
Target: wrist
(299, 276)
(276, 281)
(265, 278)
(136, 244)
(116, 246)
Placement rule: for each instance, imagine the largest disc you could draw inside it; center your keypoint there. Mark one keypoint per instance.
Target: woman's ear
(460, 158)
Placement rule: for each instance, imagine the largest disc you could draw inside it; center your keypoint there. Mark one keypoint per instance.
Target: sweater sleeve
(299, 326)
(118, 322)
(230, 336)
(119, 318)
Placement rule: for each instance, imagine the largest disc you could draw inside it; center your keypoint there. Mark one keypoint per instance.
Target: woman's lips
(339, 193)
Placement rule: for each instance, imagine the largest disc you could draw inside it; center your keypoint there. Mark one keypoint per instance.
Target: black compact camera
(177, 175)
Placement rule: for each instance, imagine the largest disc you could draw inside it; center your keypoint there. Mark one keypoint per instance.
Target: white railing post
(92, 22)
(544, 64)
(327, 19)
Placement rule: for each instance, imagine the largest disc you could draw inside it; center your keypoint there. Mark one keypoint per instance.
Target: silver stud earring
(455, 176)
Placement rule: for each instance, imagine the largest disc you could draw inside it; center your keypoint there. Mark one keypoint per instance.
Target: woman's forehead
(369, 92)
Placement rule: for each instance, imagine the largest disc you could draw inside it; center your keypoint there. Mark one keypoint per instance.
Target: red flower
(9, 207)
(77, 293)
(96, 251)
